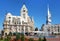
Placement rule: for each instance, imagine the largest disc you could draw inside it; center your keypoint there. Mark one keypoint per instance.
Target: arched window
(18, 21)
(13, 20)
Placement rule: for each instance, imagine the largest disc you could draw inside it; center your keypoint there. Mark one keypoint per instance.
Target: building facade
(52, 28)
(23, 23)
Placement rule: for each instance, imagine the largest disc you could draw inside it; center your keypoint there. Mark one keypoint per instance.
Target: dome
(9, 14)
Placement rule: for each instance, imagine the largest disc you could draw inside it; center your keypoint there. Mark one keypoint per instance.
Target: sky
(36, 9)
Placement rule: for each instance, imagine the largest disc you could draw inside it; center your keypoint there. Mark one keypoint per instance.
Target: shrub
(14, 34)
(22, 37)
(31, 39)
(39, 39)
(17, 36)
(44, 39)
(10, 33)
(7, 38)
(1, 38)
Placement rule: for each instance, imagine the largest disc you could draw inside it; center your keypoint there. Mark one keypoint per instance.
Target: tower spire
(49, 16)
(24, 12)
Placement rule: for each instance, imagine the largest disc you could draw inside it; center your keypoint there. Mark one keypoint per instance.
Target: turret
(24, 12)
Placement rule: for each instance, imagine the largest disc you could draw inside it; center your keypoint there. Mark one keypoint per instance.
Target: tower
(48, 17)
(24, 12)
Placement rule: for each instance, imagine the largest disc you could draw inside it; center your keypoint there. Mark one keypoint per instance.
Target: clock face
(23, 10)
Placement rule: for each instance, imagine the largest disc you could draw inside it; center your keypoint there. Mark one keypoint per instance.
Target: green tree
(14, 34)
(22, 37)
(10, 33)
(36, 29)
(17, 36)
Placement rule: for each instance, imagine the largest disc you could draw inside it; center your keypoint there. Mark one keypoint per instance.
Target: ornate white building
(20, 24)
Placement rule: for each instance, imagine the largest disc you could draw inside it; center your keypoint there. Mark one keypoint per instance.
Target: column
(16, 28)
(24, 30)
(20, 29)
(28, 29)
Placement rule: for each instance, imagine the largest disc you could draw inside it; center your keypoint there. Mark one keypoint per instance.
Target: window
(26, 28)
(22, 29)
(31, 28)
(9, 21)
(19, 29)
(18, 21)
(13, 21)
(22, 22)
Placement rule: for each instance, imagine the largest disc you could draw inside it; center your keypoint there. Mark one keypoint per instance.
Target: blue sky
(36, 8)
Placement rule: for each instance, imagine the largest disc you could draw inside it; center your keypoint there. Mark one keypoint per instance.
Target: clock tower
(24, 12)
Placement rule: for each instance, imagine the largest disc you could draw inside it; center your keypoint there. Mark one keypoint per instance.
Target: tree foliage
(22, 37)
(36, 29)
(44, 39)
(17, 36)
(7, 39)
(39, 39)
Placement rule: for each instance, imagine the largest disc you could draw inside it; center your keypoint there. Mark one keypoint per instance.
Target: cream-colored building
(52, 28)
(20, 24)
